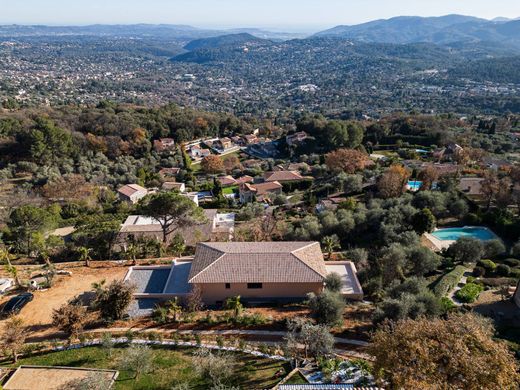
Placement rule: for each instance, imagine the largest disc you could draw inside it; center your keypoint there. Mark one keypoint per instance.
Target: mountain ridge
(439, 30)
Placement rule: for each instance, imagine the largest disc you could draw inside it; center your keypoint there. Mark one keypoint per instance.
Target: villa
(283, 176)
(217, 227)
(261, 191)
(257, 271)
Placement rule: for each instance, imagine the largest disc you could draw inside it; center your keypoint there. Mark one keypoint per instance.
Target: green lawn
(171, 366)
(229, 190)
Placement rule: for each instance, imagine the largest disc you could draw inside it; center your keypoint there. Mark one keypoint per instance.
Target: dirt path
(38, 313)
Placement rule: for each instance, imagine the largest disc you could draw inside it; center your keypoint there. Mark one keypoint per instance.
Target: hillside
(224, 40)
(440, 30)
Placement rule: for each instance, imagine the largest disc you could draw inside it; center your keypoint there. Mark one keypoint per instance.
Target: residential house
(300, 167)
(168, 173)
(244, 179)
(296, 138)
(330, 204)
(283, 176)
(258, 272)
(164, 145)
(237, 140)
(225, 143)
(217, 226)
(260, 191)
(471, 186)
(196, 152)
(227, 181)
(449, 153)
(173, 186)
(132, 193)
(193, 196)
(250, 139)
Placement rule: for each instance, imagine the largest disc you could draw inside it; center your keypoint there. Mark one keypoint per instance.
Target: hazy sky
(291, 14)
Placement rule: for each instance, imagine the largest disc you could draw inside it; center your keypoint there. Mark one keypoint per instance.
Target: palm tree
(5, 257)
(233, 303)
(84, 255)
(330, 243)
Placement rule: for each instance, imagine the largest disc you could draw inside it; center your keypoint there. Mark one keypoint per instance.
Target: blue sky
(281, 14)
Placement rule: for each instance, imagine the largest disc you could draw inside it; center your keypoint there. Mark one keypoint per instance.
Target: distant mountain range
(154, 31)
(439, 30)
(451, 30)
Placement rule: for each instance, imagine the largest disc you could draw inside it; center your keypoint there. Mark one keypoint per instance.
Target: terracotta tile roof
(130, 189)
(244, 179)
(227, 180)
(283, 176)
(263, 188)
(258, 262)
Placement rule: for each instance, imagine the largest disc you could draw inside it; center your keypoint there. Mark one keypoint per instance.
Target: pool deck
(438, 245)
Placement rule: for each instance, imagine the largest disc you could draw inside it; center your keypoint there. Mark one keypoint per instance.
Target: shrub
(469, 293)
(497, 282)
(470, 279)
(333, 282)
(327, 307)
(493, 248)
(466, 250)
(447, 304)
(449, 281)
(479, 271)
(70, 318)
(512, 262)
(515, 273)
(488, 265)
(515, 251)
(113, 300)
(503, 270)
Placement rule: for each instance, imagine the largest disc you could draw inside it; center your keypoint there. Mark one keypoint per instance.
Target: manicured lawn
(229, 190)
(171, 366)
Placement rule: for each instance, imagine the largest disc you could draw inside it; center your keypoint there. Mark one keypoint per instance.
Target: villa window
(254, 286)
(228, 286)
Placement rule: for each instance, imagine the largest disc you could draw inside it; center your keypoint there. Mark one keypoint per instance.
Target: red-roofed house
(261, 191)
(283, 176)
(132, 193)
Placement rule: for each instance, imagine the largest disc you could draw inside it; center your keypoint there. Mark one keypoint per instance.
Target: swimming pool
(453, 234)
(414, 185)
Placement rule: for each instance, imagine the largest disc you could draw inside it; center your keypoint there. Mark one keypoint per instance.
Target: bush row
(449, 281)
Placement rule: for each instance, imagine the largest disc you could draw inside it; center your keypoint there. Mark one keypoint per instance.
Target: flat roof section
(350, 286)
(53, 378)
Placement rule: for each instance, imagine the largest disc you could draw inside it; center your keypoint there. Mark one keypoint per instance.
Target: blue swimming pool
(453, 234)
(414, 185)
